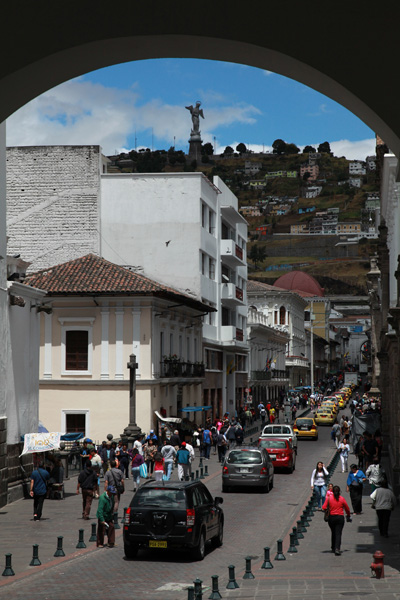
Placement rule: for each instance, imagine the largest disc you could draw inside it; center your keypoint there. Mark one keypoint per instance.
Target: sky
(142, 105)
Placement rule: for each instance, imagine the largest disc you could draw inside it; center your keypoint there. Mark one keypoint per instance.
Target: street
(253, 520)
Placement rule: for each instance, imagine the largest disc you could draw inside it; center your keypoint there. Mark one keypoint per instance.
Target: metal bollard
(93, 537)
(35, 562)
(116, 524)
(197, 474)
(306, 522)
(81, 543)
(232, 583)
(215, 595)
(8, 571)
(296, 541)
(198, 589)
(201, 462)
(59, 551)
(279, 554)
(267, 564)
(201, 473)
(206, 474)
(300, 530)
(292, 547)
(190, 595)
(192, 476)
(187, 477)
(248, 574)
(123, 518)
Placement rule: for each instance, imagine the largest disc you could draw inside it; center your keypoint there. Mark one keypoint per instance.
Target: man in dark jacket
(38, 490)
(107, 455)
(87, 481)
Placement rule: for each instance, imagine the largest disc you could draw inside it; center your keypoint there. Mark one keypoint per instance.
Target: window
(282, 315)
(241, 360)
(75, 423)
(211, 222)
(203, 214)
(203, 263)
(214, 360)
(76, 350)
(211, 268)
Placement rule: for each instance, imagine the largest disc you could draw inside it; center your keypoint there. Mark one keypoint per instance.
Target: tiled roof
(95, 276)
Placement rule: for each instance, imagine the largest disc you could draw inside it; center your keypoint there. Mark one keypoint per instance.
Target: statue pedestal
(195, 143)
(131, 434)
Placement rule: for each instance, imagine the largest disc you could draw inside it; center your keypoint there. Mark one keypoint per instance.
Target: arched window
(282, 315)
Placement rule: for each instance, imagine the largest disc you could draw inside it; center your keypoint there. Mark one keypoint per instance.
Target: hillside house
(357, 167)
(312, 191)
(312, 169)
(371, 163)
(355, 182)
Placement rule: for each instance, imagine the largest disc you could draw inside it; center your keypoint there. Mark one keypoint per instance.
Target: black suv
(170, 514)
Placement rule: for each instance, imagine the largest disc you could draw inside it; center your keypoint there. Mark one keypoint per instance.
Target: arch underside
(333, 49)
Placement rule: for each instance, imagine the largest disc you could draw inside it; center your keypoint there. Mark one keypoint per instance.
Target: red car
(280, 451)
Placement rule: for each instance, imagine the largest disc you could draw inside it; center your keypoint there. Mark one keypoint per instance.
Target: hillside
(272, 190)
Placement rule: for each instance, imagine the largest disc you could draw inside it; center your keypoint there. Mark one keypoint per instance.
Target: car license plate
(304, 428)
(244, 470)
(156, 544)
(272, 456)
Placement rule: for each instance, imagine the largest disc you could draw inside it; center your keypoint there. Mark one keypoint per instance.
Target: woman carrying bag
(335, 505)
(355, 487)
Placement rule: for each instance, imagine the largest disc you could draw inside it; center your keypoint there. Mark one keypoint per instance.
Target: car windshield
(302, 422)
(273, 444)
(160, 498)
(245, 457)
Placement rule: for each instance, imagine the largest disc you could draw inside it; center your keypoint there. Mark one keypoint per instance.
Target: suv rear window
(245, 457)
(160, 498)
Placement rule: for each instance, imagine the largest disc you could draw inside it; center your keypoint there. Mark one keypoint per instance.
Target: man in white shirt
(138, 444)
(192, 455)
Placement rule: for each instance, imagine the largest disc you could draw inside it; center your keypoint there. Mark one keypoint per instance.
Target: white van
(280, 431)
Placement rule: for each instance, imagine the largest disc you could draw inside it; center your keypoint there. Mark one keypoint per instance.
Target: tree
(257, 254)
(292, 149)
(324, 147)
(229, 150)
(207, 149)
(279, 146)
(308, 149)
(241, 148)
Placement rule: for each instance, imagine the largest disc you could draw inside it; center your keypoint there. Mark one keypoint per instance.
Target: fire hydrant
(377, 567)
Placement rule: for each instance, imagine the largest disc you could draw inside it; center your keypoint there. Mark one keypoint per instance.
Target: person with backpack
(207, 440)
(38, 490)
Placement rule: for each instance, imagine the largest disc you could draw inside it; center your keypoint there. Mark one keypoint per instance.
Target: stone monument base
(195, 143)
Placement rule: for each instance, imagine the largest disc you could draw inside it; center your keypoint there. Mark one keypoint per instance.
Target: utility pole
(132, 431)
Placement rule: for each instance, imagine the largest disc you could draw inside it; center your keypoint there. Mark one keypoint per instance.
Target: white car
(280, 431)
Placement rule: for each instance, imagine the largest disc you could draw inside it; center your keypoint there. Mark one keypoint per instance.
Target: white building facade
(184, 230)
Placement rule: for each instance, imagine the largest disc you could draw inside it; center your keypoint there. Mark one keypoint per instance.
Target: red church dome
(300, 282)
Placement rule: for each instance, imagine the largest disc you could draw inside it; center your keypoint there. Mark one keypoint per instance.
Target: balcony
(231, 295)
(261, 375)
(229, 333)
(179, 369)
(231, 253)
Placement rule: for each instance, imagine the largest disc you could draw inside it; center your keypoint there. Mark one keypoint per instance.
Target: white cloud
(81, 112)
(354, 150)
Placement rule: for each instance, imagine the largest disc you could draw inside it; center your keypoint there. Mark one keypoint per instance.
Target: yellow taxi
(324, 416)
(330, 406)
(342, 400)
(305, 428)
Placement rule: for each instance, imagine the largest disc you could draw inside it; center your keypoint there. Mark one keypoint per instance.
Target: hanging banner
(41, 442)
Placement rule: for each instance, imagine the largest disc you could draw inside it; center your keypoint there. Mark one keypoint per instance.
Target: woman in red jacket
(336, 505)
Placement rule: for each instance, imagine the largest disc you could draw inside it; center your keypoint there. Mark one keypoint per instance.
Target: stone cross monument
(195, 140)
(132, 432)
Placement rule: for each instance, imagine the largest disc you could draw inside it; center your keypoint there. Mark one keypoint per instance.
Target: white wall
(140, 213)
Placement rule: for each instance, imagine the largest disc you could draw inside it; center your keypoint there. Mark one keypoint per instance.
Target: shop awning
(195, 408)
(167, 419)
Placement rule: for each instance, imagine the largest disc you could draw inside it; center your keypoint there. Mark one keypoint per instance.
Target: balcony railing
(239, 252)
(178, 368)
(280, 374)
(239, 294)
(261, 375)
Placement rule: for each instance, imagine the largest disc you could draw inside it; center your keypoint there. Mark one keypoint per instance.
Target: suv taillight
(263, 471)
(190, 517)
(127, 519)
(225, 470)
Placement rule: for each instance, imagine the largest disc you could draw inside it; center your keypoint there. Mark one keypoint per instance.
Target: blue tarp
(72, 437)
(195, 408)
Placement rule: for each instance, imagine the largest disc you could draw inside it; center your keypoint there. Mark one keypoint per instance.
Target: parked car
(280, 452)
(173, 514)
(247, 466)
(305, 427)
(281, 431)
